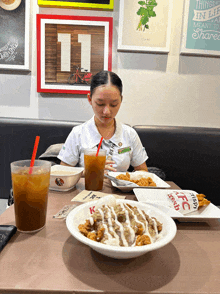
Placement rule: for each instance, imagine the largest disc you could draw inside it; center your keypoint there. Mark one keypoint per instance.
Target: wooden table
(52, 261)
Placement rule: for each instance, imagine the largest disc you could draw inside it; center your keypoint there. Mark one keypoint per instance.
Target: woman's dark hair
(103, 78)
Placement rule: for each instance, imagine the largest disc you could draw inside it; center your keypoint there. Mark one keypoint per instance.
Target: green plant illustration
(145, 11)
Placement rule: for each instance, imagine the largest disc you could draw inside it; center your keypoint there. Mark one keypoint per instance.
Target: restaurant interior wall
(159, 89)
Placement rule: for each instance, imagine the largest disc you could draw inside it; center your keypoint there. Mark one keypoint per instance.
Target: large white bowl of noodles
(79, 215)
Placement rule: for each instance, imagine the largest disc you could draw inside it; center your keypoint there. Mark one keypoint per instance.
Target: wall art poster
(144, 25)
(70, 50)
(201, 27)
(14, 34)
(87, 4)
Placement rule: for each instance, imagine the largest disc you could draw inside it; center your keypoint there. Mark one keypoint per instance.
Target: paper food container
(64, 178)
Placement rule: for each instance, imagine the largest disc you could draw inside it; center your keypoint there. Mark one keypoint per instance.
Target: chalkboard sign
(201, 29)
(14, 36)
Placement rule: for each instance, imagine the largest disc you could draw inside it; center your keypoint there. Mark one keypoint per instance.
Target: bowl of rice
(64, 178)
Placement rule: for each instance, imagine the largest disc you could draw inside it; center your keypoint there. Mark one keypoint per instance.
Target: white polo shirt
(125, 145)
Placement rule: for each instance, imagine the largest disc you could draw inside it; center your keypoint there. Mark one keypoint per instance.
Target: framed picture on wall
(144, 25)
(201, 27)
(87, 4)
(14, 34)
(70, 50)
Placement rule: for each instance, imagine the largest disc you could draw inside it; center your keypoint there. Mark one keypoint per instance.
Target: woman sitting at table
(121, 142)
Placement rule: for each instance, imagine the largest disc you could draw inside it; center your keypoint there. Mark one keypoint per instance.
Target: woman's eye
(102, 105)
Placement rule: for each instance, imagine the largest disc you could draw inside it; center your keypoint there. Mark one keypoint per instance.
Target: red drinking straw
(100, 143)
(34, 154)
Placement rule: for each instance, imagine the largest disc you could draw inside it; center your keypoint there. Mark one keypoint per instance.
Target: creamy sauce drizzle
(114, 237)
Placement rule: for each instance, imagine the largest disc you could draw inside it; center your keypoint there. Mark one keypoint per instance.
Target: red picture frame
(70, 50)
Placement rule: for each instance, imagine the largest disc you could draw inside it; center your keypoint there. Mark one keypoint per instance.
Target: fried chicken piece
(125, 177)
(142, 240)
(202, 200)
(83, 230)
(100, 234)
(152, 183)
(92, 236)
(200, 196)
(144, 182)
(140, 230)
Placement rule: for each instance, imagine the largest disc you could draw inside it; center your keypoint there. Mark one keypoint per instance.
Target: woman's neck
(106, 130)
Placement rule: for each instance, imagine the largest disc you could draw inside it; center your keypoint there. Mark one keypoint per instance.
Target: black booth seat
(189, 156)
(17, 137)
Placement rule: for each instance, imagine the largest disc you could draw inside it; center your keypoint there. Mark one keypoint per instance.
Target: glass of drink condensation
(30, 191)
(94, 169)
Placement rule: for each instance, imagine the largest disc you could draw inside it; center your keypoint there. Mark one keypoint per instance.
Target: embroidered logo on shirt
(124, 150)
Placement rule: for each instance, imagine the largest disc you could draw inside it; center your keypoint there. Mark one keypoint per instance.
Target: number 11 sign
(70, 50)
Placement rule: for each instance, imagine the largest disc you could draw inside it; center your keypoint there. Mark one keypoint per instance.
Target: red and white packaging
(183, 201)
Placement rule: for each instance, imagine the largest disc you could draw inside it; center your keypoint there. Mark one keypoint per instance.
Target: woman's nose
(106, 110)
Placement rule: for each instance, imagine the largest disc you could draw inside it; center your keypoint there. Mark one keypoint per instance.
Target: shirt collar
(118, 135)
(95, 135)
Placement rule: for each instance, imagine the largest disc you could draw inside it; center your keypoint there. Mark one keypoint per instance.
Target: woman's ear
(89, 98)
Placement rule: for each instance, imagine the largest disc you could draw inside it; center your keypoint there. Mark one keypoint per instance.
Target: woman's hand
(109, 167)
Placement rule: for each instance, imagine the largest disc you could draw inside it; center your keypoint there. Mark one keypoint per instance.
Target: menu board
(14, 37)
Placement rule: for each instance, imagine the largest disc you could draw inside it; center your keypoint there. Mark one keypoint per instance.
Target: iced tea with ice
(94, 169)
(30, 193)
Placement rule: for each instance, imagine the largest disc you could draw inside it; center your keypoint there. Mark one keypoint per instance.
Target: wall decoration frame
(201, 28)
(70, 49)
(144, 26)
(84, 4)
(14, 35)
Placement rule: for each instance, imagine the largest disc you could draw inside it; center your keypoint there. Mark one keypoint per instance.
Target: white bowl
(79, 214)
(64, 178)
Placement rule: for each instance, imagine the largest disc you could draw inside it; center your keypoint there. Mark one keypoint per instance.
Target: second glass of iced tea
(30, 191)
(94, 169)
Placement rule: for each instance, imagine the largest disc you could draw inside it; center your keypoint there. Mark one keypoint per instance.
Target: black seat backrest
(17, 137)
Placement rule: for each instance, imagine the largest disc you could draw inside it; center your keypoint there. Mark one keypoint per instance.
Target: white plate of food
(158, 198)
(119, 245)
(139, 175)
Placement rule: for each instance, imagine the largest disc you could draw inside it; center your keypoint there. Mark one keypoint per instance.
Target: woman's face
(105, 101)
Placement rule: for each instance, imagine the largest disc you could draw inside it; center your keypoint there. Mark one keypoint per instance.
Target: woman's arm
(142, 166)
(63, 163)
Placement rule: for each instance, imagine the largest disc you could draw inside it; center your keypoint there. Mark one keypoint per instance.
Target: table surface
(53, 261)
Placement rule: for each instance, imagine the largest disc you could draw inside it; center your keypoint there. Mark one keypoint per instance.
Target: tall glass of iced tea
(94, 169)
(30, 191)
